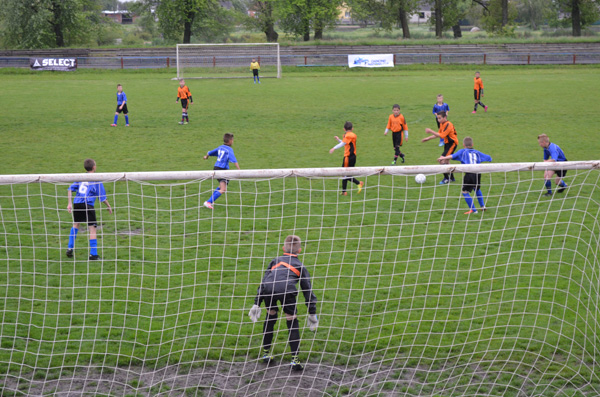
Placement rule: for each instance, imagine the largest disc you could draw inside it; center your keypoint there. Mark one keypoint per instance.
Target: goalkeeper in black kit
(279, 285)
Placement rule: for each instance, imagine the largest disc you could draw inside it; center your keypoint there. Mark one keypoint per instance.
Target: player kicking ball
(471, 181)
(279, 286)
(224, 154)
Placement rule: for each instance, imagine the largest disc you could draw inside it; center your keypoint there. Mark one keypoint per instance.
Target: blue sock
(441, 140)
(214, 196)
(562, 183)
(94, 247)
(116, 118)
(469, 201)
(480, 198)
(126, 119)
(258, 78)
(72, 237)
(548, 184)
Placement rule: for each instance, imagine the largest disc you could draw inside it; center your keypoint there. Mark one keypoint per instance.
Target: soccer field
(414, 297)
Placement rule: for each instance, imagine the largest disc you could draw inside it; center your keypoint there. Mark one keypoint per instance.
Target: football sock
(397, 152)
(72, 237)
(115, 120)
(480, 198)
(94, 247)
(356, 181)
(441, 140)
(481, 104)
(294, 339)
(268, 327)
(447, 176)
(548, 184)
(562, 183)
(469, 201)
(452, 176)
(344, 184)
(126, 119)
(216, 194)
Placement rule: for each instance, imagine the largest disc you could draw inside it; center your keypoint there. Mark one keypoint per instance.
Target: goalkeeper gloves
(313, 322)
(254, 313)
(406, 134)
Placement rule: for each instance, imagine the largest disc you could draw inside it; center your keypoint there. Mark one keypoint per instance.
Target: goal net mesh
(227, 60)
(414, 298)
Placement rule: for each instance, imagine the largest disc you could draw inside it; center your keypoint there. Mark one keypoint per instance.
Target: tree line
(60, 23)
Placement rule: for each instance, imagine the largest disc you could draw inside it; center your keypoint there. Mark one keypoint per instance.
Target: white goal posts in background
(414, 297)
(231, 60)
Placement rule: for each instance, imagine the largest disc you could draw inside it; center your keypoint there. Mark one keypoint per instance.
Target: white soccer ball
(420, 178)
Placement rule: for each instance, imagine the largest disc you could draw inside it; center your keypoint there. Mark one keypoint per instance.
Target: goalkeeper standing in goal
(255, 67)
(349, 144)
(397, 125)
(183, 93)
(279, 285)
(552, 153)
(471, 181)
(83, 209)
(224, 154)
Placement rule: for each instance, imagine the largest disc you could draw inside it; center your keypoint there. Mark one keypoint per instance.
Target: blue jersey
(224, 155)
(88, 192)
(121, 97)
(440, 108)
(555, 152)
(470, 156)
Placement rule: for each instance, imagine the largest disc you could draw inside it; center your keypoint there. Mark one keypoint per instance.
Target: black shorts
(477, 94)
(438, 123)
(397, 138)
(184, 104)
(83, 213)
(560, 173)
(471, 182)
(222, 179)
(288, 301)
(449, 148)
(255, 72)
(124, 110)
(349, 161)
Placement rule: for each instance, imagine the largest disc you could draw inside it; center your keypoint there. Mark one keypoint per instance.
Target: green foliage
(492, 21)
(299, 17)
(535, 12)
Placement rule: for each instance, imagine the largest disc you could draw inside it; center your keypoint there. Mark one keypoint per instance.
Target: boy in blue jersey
(471, 181)
(121, 106)
(83, 209)
(552, 153)
(224, 154)
(440, 106)
(279, 286)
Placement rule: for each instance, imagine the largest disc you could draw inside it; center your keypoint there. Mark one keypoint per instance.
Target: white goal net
(195, 61)
(414, 297)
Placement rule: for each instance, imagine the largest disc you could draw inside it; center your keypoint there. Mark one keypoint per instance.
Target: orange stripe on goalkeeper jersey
(292, 268)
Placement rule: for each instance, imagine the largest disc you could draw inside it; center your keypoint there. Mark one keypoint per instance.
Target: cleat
(113, 125)
(344, 194)
(394, 162)
(94, 257)
(267, 358)
(485, 109)
(208, 205)
(126, 125)
(561, 189)
(69, 253)
(181, 123)
(360, 186)
(295, 364)
(483, 209)
(402, 157)
(548, 194)
(444, 182)
(474, 111)
(441, 144)
(470, 212)
(186, 123)
(452, 180)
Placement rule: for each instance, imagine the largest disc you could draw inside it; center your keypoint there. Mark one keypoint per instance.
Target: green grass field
(415, 298)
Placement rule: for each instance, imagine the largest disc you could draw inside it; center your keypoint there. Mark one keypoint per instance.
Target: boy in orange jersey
(447, 132)
(478, 93)
(184, 93)
(349, 144)
(397, 125)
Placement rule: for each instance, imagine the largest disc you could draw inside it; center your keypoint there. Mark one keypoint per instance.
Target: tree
(494, 22)
(299, 16)
(47, 23)
(263, 19)
(582, 13)
(534, 12)
(387, 14)
(447, 14)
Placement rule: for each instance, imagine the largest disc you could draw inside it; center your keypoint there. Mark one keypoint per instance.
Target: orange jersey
(448, 132)
(183, 93)
(396, 124)
(350, 141)
(478, 83)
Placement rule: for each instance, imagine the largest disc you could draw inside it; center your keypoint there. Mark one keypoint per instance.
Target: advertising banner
(371, 61)
(60, 64)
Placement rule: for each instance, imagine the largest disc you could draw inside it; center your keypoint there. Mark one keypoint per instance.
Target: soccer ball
(420, 178)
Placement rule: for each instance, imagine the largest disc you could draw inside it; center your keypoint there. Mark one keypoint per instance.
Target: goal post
(414, 297)
(227, 60)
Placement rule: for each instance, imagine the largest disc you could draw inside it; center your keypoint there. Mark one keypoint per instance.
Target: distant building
(123, 17)
(422, 14)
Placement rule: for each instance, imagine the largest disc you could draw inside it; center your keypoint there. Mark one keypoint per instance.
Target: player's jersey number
(222, 155)
(83, 188)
